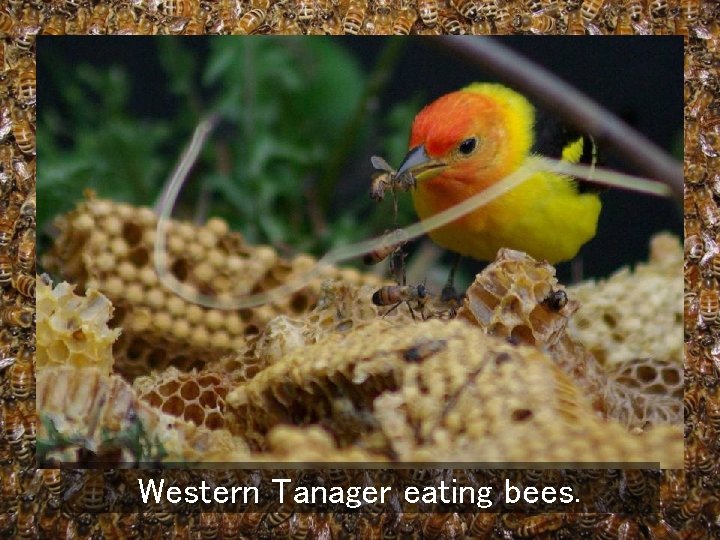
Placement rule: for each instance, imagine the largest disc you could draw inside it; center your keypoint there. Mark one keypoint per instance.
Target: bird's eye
(467, 146)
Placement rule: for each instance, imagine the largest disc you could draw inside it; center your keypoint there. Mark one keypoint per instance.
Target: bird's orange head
(474, 136)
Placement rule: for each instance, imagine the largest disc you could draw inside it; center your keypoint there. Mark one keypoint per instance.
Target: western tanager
(465, 141)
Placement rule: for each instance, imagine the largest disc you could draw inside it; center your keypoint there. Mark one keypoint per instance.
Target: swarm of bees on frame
(22, 20)
(56, 503)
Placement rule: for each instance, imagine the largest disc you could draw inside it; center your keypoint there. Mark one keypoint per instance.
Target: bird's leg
(448, 292)
(576, 270)
(397, 265)
(395, 206)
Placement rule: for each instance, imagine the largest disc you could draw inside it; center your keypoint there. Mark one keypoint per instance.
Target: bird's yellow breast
(545, 217)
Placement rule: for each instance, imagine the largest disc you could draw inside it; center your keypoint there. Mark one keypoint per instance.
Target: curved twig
(571, 104)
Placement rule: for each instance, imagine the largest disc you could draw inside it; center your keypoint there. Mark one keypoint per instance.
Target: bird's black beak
(421, 166)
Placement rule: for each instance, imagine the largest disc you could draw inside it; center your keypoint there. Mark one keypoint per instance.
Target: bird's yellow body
(464, 142)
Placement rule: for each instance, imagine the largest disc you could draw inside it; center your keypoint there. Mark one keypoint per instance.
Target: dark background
(639, 79)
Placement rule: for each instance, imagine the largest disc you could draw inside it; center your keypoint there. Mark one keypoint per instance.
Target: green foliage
(287, 104)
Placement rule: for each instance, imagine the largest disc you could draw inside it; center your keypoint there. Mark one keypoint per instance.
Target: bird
(465, 141)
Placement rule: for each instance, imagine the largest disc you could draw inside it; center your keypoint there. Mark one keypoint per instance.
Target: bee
(24, 134)
(55, 25)
(229, 525)
(25, 250)
(27, 210)
(709, 302)
(428, 11)
(287, 23)
(196, 24)
(614, 527)
(6, 269)
(332, 25)
(624, 25)
(542, 524)
(26, 522)
(22, 377)
(93, 492)
(693, 401)
(433, 525)
(482, 525)
(537, 24)
(467, 8)
(634, 9)
(658, 10)
(698, 457)
(24, 175)
(386, 178)
(53, 480)
(379, 24)
(27, 28)
(279, 516)
(30, 421)
(635, 482)
(661, 530)
(305, 10)
(556, 300)
(209, 525)
(397, 294)
(451, 23)
(533, 6)
(354, 17)
(20, 316)
(707, 209)
(12, 425)
(177, 8)
(125, 22)
(590, 9)
(7, 23)
(25, 84)
(302, 527)
(249, 521)
(712, 412)
(575, 24)
(250, 21)
(690, 11)
(97, 23)
(424, 349)
(380, 254)
(693, 506)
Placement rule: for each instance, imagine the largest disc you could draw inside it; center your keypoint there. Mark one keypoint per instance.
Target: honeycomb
(613, 322)
(108, 246)
(81, 407)
(369, 390)
(197, 397)
(72, 330)
(516, 297)
(689, 505)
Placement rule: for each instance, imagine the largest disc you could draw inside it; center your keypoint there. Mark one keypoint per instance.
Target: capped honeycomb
(73, 330)
(109, 246)
(81, 407)
(634, 313)
(429, 390)
(310, 444)
(518, 298)
(197, 397)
